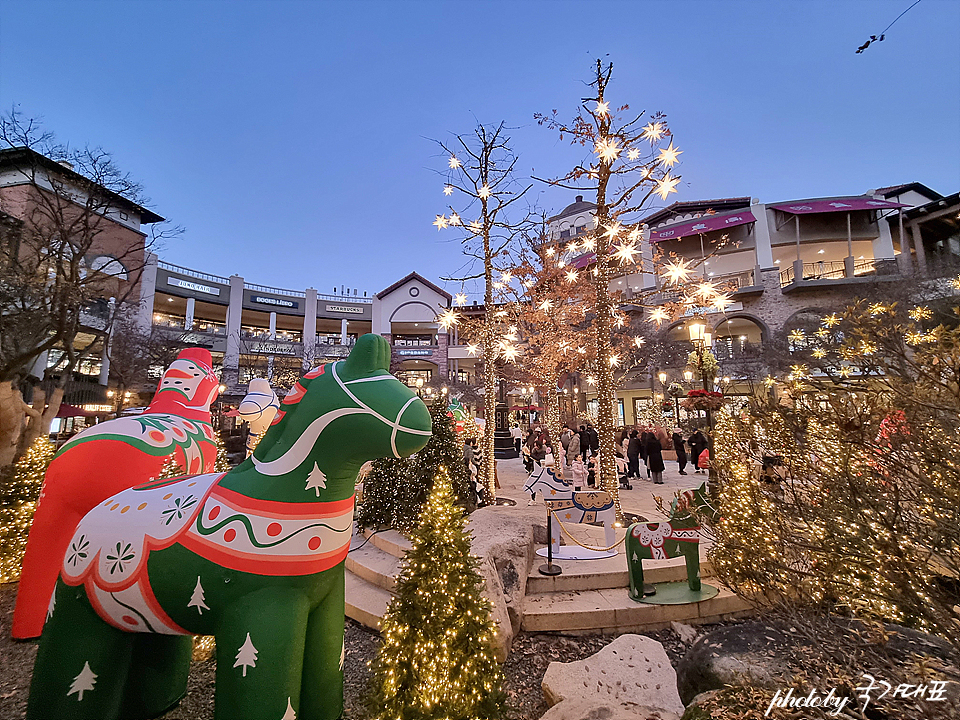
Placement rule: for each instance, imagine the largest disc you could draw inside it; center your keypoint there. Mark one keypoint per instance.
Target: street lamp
(697, 327)
(419, 384)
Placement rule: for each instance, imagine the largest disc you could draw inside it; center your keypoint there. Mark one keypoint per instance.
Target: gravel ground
(524, 669)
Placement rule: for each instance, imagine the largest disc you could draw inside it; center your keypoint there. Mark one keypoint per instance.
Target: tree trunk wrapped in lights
(21, 489)
(480, 171)
(436, 659)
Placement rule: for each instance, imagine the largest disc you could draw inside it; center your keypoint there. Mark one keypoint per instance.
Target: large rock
(504, 544)
(582, 709)
(633, 669)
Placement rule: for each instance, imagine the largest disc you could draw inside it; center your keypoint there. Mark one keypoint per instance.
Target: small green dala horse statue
(254, 557)
(660, 541)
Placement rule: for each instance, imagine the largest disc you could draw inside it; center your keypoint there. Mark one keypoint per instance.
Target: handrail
(192, 273)
(345, 298)
(274, 290)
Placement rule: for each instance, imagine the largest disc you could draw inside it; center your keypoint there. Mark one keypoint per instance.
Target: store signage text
(414, 352)
(345, 309)
(274, 348)
(196, 287)
(264, 300)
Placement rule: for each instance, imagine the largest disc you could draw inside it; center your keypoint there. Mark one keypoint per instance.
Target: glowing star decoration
(551, 252)
(476, 227)
(510, 353)
(822, 332)
(769, 381)
(706, 289)
(602, 109)
(607, 149)
(677, 272)
(626, 253)
(460, 299)
(956, 283)
(653, 131)
(591, 380)
(472, 350)
(633, 153)
(448, 189)
(845, 371)
(440, 222)
(589, 244)
(913, 337)
(454, 219)
(316, 480)
(819, 353)
(498, 285)
(921, 312)
(668, 156)
(797, 335)
(506, 276)
(721, 302)
(867, 348)
(639, 341)
(613, 230)
(447, 319)
(453, 162)
(614, 361)
(798, 372)
(546, 305)
(831, 320)
(666, 185)
(658, 315)
(484, 192)
(571, 276)
(877, 309)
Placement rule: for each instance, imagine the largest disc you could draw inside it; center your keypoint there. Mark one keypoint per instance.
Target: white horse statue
(258, 409)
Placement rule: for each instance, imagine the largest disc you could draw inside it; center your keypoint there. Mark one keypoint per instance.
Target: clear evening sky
(292, 140)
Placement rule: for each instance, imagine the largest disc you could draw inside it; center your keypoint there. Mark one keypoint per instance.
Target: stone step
(376, 566)
(611, 611)
(365, 602)
(607, 573)
(390, 541)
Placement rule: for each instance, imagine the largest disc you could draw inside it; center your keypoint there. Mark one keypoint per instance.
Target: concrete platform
(589, 597)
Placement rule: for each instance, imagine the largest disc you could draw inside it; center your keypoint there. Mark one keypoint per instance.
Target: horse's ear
(369, 355)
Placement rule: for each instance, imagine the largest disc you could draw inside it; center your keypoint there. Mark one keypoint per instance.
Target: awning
(844, 204)
(526, 408)
(705, 224)
(66, 411)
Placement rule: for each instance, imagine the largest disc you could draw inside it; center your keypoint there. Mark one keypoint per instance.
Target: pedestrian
(584, 442)
(538, 453)
(655, 458)
(644, 436)
(579, 473)
(517, 434)
(698, 443)
(573, 448)
(633, 455)
(565, 439)
(594, 439)
(530, 439)
(468, 454)
(592, 471)
(680, 449)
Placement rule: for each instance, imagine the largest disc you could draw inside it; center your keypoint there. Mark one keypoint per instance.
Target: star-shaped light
(447, 319)
(472, 349)
(921, 312)
(797, 335)
(845, 371)
(484, 192)
(448, 189)
(913, 337)
(956, 283)
(613, 230)
(453, 162)
(602, 109)
(667, 185)
(639, 341)
(769, 381)
(591, 380)
(819, 353)
(506, 276)
(551, 252)
(831, 320)
(822, 332)
(440, 222)
(607, 149)
(589, 243)
(706, 289)
(460, 299)
(571, 276)
(867, 348)
(498, 285)
(653, 131)
(546, 305)
(454, 219)
(678, 271)
(614, 361)
(633, 153)
(877, 309)
(476, 226)
(582, 350)
(722, 301)
(510, 353)
(668, 156)
(658, 315)
(799, 372)
(625, 253)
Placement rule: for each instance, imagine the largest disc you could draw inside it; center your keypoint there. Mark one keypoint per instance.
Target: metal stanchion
(550, 568)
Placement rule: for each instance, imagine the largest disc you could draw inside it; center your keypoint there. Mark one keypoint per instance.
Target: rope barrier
(587, 547)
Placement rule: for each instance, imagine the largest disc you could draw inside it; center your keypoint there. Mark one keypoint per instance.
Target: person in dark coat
(584, 443)
(644, 436)
(633, 455)
(698, 443)
(594, 439)
(680, 449)
(655, 458)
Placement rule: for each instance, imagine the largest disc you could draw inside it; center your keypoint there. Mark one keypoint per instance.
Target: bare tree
(63, 251)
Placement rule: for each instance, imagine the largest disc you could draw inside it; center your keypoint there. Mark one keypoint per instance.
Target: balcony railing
(193, 273)
(828, 270)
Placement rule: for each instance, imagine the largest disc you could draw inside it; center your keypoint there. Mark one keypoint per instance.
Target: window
(564, 234)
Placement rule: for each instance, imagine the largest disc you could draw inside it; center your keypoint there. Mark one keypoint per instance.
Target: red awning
(705, 224)
(73, 411)
(843, 204)
(526, 408)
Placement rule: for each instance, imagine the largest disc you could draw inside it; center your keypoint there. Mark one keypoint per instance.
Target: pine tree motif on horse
(254, 557)
(110, 457)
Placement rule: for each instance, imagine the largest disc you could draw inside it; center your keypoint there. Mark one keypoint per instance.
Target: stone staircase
(589, 598)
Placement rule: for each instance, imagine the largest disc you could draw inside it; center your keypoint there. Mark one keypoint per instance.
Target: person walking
(573, 448)
(538, 453)
(594, 438)
(680, 449)
(655, 458)
(565, 441)
(633, 455)
(698, 443)
(584, 442)
(644, 436)
(517, 434)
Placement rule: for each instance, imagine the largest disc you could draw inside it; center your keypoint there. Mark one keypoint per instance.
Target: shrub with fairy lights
(21, 488)
(436, 659)
(845, 496)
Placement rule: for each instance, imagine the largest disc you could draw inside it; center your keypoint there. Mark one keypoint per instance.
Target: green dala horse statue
(254, 557)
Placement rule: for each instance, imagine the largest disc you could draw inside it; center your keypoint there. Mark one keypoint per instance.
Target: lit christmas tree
(171, 468)
(396, 489)
(221, 463)
(436, 659)
(21, 488)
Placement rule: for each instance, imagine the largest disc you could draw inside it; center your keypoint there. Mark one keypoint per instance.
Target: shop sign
(274, 348)
(414, 352)
(264, 300)
(196, 287)
(345, 309)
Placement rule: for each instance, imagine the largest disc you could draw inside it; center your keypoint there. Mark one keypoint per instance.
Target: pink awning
(705, 224)
(844, 204)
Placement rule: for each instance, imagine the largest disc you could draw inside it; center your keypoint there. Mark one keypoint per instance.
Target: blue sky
(294, 140)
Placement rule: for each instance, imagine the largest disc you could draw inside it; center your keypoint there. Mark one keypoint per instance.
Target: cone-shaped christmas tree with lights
(395, 491)
(21, 488)
(436, 659)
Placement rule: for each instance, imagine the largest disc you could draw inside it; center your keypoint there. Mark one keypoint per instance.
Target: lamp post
(419, 384)
(662, 377)
(697, 327)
